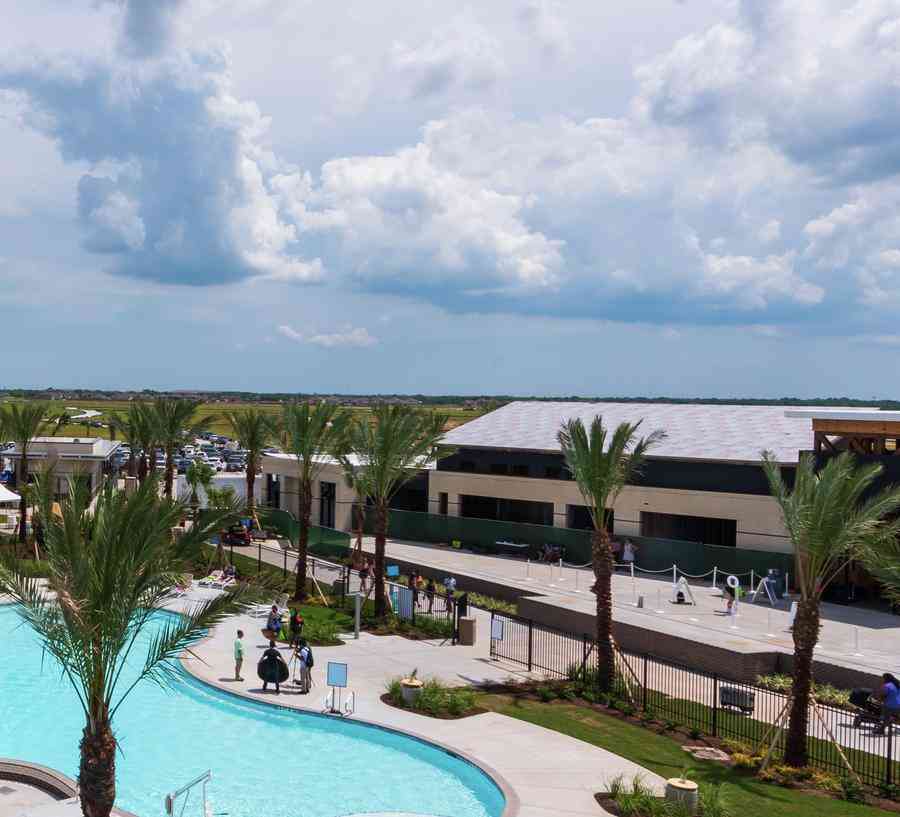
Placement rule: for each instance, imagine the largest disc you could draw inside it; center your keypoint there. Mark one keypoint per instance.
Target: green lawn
(744, 795)
(456, 415)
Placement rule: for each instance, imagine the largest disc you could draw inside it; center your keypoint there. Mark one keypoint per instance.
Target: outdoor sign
(497, 629)
(337, 674)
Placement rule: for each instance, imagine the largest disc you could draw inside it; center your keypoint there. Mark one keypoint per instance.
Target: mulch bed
(444, 716)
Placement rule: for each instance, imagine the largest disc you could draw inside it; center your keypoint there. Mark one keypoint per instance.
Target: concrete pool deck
(543, 773)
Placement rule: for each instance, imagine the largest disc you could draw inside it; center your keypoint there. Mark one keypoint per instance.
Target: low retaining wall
(48, 780)
(733, 664)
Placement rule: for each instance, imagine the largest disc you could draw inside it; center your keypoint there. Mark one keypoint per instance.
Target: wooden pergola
(861, 436)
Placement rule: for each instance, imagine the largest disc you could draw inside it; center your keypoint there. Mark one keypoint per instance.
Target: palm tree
(110, 569)
(311, 433)
(378, 457)
(198, 475)
(134, 427)
(602, 468)
(254, 429)
(832, 516)
(23, 422)
(172, 416)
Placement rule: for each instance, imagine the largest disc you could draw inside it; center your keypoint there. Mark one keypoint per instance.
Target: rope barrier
(699, 576)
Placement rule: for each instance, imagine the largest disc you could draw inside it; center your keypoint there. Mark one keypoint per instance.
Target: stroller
(868, 711)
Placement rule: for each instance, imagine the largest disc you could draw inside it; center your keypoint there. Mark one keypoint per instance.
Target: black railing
(709, 703)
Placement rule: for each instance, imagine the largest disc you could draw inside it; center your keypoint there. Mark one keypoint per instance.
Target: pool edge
(512, 807)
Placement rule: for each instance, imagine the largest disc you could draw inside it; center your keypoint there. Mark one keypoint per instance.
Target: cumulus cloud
(346, 336)
(177, 186)
(147, 27)
(543, 21)
(751, 177)
(461, 55)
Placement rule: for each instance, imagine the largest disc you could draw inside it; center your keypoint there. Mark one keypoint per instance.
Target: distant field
(457, 415)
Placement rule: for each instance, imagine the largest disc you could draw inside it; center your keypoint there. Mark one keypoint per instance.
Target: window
(553, 472)
(467, 465)
(499, 468)
(520, 470)
(442, 503)
(703, 529)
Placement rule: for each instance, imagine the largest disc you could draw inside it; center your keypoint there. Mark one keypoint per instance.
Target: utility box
(467, 631)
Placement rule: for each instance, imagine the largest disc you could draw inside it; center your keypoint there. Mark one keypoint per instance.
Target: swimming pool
(265, 761)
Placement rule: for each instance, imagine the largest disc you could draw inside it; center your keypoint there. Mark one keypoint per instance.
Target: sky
(532, 197)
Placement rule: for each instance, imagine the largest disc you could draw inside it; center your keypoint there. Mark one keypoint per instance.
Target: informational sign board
(337, 675)
(392, 571)
(405, 603)
(497, 629)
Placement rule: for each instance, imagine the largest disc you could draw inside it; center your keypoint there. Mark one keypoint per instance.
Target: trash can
(467, 632)
(776, 582)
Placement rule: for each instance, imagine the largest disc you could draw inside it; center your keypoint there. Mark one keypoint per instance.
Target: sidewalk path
(548, 774)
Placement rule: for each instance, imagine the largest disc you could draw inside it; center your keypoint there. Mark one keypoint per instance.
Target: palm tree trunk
(251, 484)
(97, 772)
(806, 636)
(23, 502)
(303, 540)
(381, 526)
(170, 470)
(603, 568)
(132, 464)
(142, 468)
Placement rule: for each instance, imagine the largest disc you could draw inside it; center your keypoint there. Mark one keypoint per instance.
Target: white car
(215, 462)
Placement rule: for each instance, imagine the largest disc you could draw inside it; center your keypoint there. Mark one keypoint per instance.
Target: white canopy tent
(7, 496)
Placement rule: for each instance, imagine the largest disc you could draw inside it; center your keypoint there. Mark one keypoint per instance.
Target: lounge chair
(213, 579)
(182, 586)
(281, 602)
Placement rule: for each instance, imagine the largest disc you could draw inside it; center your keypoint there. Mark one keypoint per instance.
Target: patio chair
(217, 576)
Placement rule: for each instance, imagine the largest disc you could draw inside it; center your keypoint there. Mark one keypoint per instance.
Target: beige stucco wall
(286, 468)
(758, 518)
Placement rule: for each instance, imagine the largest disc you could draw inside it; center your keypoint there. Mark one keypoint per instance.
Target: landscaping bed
(657, 745)
(435, 699)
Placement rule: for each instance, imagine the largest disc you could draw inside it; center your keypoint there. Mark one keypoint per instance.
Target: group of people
(418, 585)
(273, 669)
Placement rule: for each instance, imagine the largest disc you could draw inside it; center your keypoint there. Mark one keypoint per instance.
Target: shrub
(670, 725)
(822, 693)
(395, 691)
(742, 760)
(545, 693)
(737, 747)
(695, 734)
(890, 790)
(712, 800)
(460, 700)
(850, 789)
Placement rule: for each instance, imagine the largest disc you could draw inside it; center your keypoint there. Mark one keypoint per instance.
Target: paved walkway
(851, 636)
(547, 774)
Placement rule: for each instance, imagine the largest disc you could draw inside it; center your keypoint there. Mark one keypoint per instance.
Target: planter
(682, 791)
(411, 688)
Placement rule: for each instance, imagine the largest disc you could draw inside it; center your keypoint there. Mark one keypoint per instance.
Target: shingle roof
(694, 431)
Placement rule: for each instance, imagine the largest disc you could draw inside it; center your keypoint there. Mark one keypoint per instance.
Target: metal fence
(710, 703)
(433, 613)
(653, 554)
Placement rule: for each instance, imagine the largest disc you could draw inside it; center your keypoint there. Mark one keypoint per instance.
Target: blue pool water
(265, 761)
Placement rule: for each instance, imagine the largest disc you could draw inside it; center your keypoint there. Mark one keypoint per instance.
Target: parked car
(234, 466)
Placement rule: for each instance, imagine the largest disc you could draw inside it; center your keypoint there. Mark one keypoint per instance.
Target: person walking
(295, 624)
(430, 590)
(305, 661)
(238, 655)
(629, 553)
(364, 578)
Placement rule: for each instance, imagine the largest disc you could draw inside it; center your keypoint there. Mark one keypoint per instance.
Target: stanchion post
(674, 574)
(715, 577)
(528, 569)
(752, 580)
(259, 558)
